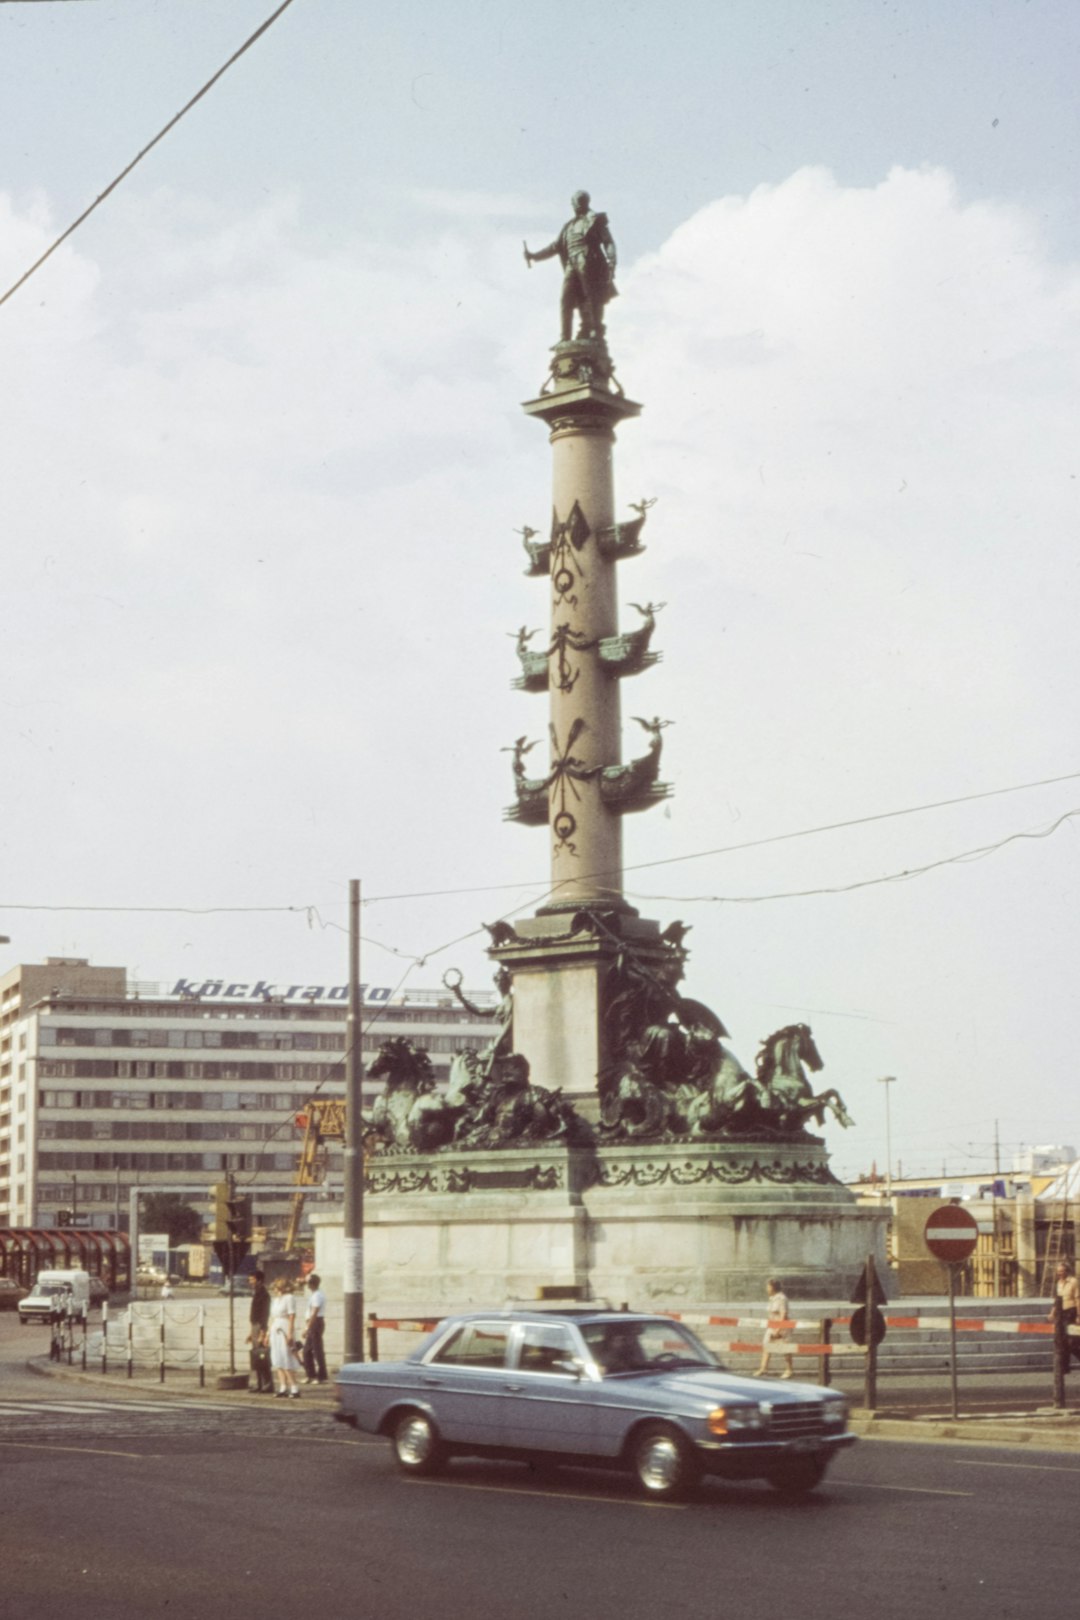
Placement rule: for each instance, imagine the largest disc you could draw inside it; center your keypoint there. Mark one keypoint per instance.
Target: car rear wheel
(416, 1444)
(799, 1476)
(664, 1463)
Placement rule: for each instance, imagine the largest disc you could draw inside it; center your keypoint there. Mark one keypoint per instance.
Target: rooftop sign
(269, 990)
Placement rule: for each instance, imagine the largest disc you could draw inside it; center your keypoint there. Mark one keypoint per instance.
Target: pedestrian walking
(774, 1333)
(1067, 1289)
(282, 1330)
(259, 1335)
(314, 1333)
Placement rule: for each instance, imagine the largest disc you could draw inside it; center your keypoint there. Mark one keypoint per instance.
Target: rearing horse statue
(786, 1092)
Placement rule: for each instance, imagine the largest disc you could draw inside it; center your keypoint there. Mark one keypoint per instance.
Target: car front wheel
(798, 1477)
(416, 1444)
(664, 1463)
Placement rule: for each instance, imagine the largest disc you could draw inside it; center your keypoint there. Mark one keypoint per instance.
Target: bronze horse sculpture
(785, 1091)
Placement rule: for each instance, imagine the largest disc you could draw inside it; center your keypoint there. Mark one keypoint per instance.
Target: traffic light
(231, 1224)
(239, 1219)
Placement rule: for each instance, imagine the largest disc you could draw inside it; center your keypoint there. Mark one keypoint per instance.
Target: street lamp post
(888, 1080)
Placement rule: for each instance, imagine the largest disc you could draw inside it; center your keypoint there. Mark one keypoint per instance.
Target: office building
(107, 1084)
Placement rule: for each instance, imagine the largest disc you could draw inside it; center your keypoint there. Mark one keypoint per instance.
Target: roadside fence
(160, 1337)
(176, 1338)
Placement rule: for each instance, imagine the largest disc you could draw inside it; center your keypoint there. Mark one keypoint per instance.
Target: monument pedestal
(708, 1222)
(560, 961)
(659, 1227)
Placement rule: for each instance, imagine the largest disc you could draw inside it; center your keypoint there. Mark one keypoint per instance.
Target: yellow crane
(322, 1121)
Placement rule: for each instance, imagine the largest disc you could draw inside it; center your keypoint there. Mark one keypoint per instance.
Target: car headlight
(834, 1412)
(724, 1420)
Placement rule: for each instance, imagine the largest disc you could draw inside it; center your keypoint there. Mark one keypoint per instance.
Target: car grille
(788, 1422)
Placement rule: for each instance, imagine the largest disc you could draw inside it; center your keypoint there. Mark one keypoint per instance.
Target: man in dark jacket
(257, 1337)
(586, 251)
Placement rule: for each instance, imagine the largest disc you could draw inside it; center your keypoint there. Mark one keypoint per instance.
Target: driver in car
(619, 1350)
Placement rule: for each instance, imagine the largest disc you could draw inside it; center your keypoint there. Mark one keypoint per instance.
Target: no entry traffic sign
(950, 1234)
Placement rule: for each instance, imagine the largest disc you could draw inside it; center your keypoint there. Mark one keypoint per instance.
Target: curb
(1054, 1432)
(322, 1395)
(1060, 1432)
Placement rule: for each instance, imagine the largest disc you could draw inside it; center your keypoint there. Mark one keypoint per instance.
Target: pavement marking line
(563, 1496)
(83, 1451)
(75, 1408)
(317, 1440)
(46, 1406)
(22, 1407)
(54, 1408)
(911, 1490)
(1039, 1468)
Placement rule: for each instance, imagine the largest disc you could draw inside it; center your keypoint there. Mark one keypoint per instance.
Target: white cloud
(260, 562)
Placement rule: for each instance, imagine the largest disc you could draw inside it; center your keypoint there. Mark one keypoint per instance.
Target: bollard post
(85, 1336)
(373, 1336)
(870, 1389)
(826, 1358)
(105, 1336)
(1061, 1352)
(130, 1345)
(953, 1390)
(202, 1346)
(161, 1346)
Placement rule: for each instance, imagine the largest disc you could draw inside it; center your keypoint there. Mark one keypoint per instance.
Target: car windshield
(654, 1345)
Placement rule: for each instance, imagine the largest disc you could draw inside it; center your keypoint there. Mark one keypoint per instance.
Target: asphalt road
(117, 1505)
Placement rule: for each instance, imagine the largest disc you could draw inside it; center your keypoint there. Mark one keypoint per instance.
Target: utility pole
(888, 1080)
(354, 1145)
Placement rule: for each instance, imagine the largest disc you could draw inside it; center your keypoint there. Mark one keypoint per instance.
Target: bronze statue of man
(586, 251)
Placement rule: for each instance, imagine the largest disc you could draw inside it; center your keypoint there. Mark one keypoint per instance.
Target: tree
(167, 1212)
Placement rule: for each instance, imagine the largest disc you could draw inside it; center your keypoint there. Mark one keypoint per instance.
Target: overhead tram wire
(755, 843)
(149, 147)
(548, 891)
(976, 854)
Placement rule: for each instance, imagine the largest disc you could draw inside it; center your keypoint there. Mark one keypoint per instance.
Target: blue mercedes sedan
(609, 1388)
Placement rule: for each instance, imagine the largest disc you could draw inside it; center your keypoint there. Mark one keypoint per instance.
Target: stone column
(582, 410)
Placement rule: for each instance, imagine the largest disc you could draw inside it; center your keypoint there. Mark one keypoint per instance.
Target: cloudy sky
(264, 460)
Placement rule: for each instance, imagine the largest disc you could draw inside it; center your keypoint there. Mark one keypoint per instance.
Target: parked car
(607, 1388)
(10, 1294)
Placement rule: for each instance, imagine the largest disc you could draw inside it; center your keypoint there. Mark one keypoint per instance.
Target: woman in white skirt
(283, 1361)
(774, 1334)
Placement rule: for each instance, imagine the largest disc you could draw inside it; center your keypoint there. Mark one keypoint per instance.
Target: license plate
(805, 1442)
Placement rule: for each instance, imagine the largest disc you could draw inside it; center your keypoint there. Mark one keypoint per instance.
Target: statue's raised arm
(586, 249)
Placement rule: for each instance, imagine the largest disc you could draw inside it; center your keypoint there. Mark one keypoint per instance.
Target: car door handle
(515, 1389)
(429, 1380)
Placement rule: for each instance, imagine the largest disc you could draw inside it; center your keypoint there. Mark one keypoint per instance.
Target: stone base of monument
(656, 1227)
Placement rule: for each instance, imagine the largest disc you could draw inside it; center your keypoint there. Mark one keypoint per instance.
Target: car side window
(546, 1349)
(450, 1349)
(476, 1344)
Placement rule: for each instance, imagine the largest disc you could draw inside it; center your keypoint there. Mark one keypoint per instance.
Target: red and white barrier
(964, 1324)
(402, 1325)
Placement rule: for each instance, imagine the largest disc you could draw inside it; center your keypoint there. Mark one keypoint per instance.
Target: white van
(48, 1288)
